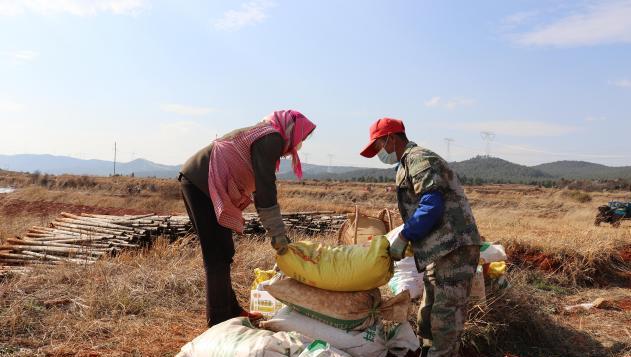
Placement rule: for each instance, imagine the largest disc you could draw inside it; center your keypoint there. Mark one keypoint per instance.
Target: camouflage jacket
(421, 171)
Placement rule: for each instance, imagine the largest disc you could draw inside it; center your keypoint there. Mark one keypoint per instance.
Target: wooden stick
(14, 268)
(80, 228)
(83, 232)
(93, 247)
(62, 231)
(59, 259)
(53, 249)
(67, 239)
(94, 224)
(15, 256)
(25, 261)
(128, 217)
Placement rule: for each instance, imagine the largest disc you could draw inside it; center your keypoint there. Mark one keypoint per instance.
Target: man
(441, 228)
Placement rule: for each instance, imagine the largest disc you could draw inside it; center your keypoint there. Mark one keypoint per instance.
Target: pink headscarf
(294, 128)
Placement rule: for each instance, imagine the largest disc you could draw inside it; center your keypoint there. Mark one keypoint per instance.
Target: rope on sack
(356, 224)
(388, 223)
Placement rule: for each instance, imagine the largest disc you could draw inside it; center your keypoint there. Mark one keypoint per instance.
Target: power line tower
(306, 155)
(115, 158)
(448, 141)
(488, 137)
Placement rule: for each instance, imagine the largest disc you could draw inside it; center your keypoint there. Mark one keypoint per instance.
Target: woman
(217, 185)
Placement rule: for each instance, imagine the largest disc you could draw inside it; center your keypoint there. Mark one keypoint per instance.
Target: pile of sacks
(332, 307)
(326, 302)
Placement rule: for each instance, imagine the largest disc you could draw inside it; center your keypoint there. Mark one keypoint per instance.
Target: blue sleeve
(430, 210)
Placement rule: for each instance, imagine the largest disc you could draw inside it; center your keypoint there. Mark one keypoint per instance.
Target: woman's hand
(272, 220)
(280, 243)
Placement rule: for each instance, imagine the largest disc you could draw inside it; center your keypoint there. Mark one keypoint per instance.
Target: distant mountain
(584, 170)
(354, 175)
(484, 168)
(498, 170)
(146, 168)
(310, 170)
(488, 169)
(348, 173)
(58, 165)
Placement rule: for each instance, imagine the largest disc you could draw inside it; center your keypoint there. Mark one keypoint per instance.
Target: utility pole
(115, 158)
(330, 163)
(448, 141)
(488, 136)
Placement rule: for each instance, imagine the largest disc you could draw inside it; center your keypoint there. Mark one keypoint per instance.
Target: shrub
(578, 196)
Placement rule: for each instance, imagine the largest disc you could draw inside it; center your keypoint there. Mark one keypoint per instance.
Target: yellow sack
(342, 268)
(261, 275)
(497, 269)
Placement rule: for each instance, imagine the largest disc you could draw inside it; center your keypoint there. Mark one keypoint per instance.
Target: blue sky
(551, 79)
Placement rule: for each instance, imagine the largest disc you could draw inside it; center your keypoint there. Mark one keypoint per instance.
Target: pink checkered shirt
(230, 175)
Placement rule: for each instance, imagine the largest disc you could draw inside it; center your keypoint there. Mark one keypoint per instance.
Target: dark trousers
(217, 250)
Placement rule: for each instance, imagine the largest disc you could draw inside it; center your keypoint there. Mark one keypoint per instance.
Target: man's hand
(280, 243)
(398, 247)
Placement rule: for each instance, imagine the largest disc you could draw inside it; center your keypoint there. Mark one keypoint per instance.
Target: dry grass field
(150, 302)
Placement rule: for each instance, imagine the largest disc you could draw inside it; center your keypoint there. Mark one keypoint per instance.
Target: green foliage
(541, 283)
(483, 170)
(480, 170)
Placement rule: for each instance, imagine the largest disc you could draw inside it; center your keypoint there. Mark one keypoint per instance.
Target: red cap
(381, 128)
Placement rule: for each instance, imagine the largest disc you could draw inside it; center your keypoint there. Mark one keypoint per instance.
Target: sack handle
(388, 222)
(341, 231)
(344, 227)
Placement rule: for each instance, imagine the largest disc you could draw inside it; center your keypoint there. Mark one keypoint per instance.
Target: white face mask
(387, 158)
